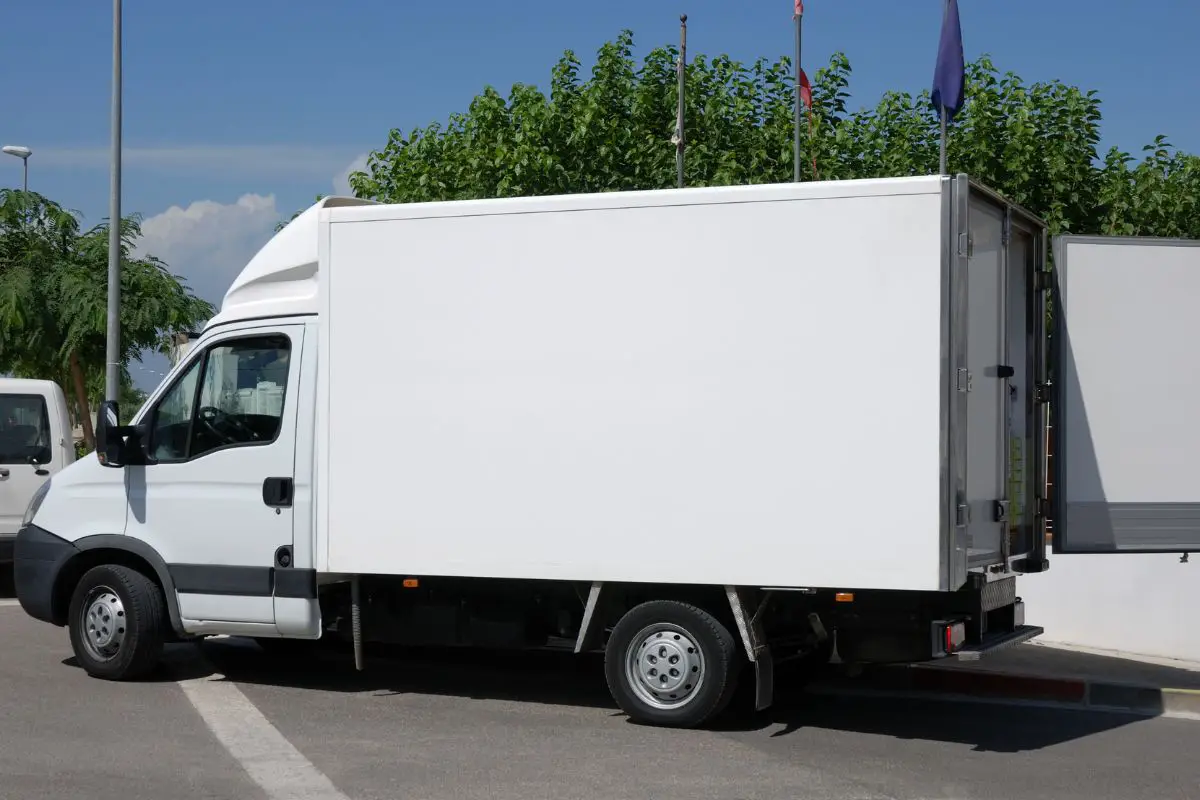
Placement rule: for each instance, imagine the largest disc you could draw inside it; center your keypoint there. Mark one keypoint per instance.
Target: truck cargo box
(803, 385)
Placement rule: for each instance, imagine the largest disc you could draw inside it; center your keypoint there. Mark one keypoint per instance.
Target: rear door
(1126, 405)
(26, 436)
(987, 383)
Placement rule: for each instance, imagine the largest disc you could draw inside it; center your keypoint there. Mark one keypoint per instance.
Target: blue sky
(238, 113)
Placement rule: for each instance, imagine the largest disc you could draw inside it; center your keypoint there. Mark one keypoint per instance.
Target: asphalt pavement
(462, 725)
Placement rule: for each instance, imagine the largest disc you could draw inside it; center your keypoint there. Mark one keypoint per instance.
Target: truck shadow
(568, 680)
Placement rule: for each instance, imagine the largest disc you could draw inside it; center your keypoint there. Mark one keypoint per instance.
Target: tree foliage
(1036, 143)
(54, 298)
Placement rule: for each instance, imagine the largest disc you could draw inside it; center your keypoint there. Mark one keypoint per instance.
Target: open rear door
(1126, 406)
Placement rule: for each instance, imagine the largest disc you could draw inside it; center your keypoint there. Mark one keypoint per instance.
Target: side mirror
(110, 444)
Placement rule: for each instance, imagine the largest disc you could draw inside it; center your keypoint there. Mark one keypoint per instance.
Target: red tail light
(956, 635)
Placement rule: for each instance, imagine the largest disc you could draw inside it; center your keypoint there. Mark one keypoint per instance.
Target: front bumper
(38, 558)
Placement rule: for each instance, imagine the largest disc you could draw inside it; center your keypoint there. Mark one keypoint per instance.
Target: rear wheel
(117, 622)
(671, 664)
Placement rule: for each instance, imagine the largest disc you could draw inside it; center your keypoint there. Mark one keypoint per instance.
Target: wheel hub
(104, 622)
(665, 666)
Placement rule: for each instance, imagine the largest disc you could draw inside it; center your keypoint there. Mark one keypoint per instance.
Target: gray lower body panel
(1102, 527)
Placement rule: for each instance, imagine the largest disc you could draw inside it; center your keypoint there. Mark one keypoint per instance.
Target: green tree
(54, 295)
(1036, 143)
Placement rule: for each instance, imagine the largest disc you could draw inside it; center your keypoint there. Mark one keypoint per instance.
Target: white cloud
(341, 182)
(209, 242)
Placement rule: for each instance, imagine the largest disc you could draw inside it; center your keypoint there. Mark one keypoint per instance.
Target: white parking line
(9, 601)
(269, 759)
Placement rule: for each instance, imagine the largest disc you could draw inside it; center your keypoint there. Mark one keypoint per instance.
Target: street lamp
(112, 350)
(22, 153)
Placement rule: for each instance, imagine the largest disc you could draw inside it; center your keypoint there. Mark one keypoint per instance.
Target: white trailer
(691, 428)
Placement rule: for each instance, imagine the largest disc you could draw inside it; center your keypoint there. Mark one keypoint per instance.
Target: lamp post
(112, 367)
(22, 153)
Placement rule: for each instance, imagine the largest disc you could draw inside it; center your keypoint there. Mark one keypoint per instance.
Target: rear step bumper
(1023, 633)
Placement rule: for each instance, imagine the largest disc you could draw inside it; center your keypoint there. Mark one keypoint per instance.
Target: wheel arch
(607, 603)
(114, 549)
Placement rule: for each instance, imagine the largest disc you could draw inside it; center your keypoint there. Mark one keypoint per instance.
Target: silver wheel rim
(664, 666)
(103, 623)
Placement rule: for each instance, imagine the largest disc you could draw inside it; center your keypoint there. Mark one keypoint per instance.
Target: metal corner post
(112, 370)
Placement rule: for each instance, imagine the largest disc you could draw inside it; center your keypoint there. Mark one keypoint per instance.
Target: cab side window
(232, 396)
(172, 419)
(24, 429)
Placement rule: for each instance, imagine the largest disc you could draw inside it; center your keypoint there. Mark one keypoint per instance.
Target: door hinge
(1041, 393)
(1006, 228)
(962, 515)
(966, 245)
(962, 380)
(1041, 280)
(1000, 511)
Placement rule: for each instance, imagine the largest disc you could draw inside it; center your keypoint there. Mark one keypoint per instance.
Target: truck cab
(35, 443)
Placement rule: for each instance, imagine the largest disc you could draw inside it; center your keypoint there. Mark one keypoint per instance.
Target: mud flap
(764, 679)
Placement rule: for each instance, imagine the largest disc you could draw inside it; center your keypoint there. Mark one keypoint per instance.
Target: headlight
(35, 503)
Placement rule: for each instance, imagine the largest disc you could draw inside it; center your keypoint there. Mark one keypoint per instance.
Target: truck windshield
(24, 429)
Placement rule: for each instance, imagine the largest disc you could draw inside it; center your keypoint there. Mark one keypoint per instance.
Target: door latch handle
(3, 473)
(277, 492)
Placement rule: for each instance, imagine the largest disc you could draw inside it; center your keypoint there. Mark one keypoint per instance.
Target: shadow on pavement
(565, 679)
(985, 728)
(7, 588)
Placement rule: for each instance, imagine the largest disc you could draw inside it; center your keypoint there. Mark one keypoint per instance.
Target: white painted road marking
(269, 759)
(9, 602)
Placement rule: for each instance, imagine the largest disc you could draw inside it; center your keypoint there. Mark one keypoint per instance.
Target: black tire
(138, 620)
(680, 624)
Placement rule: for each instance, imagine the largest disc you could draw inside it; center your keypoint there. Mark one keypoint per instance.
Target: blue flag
(949, 74)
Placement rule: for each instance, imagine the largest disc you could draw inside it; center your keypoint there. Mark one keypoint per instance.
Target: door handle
(277, 492)
(3, 474)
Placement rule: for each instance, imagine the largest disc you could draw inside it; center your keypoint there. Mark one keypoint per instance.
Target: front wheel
(117, 623)
(671, 664)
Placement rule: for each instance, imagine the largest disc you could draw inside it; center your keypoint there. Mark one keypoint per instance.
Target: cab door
(27, 451)
(215, 496)
(1126, 405)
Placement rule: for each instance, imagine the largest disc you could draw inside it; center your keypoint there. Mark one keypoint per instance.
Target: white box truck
(694, 429)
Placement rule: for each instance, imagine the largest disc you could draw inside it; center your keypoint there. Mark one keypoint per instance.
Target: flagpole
(942, 156)
(798, 19)
(949, 77)
(942, 140)
(679, 145)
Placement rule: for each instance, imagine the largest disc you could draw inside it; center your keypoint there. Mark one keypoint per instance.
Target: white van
(35, 443)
